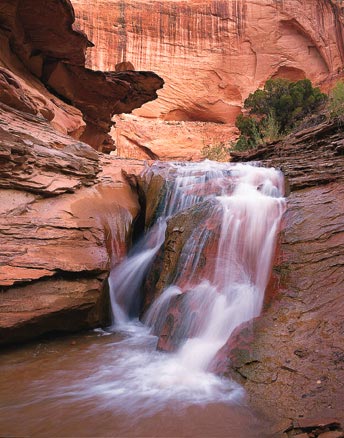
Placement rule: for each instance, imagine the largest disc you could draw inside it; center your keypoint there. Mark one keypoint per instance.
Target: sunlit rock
(211, 54)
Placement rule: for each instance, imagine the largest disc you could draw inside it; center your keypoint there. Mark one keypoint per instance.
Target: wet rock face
(155, 190)
(171, 264)
(174, 332)
(315, 427)
(212, 54)
(58, 305)
(294, 364)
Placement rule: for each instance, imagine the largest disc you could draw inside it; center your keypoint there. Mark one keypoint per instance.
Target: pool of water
(99, 384)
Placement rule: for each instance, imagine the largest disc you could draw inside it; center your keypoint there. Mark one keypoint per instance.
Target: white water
(246, 213)
(126, 279)
(186, 187)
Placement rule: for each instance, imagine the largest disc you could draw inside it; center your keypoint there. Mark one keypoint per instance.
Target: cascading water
(245, 208)
(186, 187)
(126, 279)
(118, 383)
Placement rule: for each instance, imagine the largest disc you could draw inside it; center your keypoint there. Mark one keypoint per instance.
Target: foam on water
(138, 380)
(247, 212)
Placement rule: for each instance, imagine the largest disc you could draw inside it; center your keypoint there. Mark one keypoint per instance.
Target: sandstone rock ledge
(63, 222)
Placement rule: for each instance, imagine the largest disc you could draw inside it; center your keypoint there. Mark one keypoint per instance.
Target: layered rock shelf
(66, 217)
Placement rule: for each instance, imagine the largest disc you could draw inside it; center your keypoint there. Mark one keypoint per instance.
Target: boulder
(171, 267)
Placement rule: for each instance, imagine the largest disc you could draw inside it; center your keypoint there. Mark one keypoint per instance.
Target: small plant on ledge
(216, 152)
(336, 100)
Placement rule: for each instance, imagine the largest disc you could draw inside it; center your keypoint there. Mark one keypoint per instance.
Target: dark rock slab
(309, 157)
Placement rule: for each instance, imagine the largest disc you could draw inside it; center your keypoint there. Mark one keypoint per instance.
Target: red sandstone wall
(212, 54)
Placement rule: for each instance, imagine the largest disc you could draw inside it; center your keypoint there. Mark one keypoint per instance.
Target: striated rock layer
(212, 54)
(66, 217)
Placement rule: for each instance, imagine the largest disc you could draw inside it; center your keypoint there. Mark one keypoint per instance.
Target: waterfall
(244, 206)
(186, 186)
(126, 279)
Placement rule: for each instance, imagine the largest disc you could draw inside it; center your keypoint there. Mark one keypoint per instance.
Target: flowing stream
(115, 382)
(244, 204)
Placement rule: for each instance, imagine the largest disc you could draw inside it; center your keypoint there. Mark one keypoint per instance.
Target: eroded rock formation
(49, 48)
(67, 212)
(66, 216)
(212, 54)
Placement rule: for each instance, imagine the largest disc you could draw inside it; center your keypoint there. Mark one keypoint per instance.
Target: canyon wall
(211, 54)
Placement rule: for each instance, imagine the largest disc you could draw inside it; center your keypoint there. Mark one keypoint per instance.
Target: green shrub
(275, 110)
(270, 128)
(336, 101)
(250, 133)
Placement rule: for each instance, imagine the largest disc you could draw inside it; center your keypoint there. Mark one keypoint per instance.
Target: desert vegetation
(336, 100)
(275, 110)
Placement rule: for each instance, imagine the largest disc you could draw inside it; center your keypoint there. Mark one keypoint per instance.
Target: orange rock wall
(41, 52)
(67, 212)
(212, 54)
(66, 216)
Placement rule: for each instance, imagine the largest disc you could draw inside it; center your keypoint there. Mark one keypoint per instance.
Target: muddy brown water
(84, 386)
